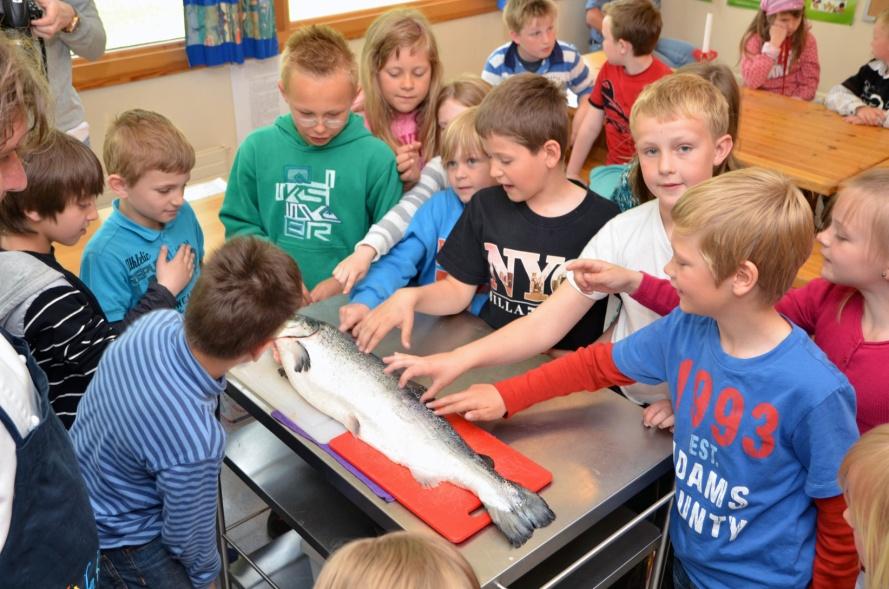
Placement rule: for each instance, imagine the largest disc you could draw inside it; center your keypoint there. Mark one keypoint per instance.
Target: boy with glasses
(316, 180)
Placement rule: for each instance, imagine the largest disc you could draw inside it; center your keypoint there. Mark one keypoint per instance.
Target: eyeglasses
(328, 122)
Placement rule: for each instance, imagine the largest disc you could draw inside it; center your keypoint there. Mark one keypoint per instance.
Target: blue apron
(52, 539)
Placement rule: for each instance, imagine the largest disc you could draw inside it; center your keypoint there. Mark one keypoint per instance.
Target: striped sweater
(61, 321)
(150, 448)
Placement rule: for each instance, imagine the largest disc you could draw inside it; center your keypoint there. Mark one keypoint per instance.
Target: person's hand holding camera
(57, 16)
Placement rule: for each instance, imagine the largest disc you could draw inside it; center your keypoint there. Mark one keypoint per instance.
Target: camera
(18, 14)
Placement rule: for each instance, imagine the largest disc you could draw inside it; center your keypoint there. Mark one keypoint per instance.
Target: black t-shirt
(522, 256)
(870, 86)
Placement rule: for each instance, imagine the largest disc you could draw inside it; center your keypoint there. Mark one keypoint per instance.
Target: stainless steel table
(593, 443)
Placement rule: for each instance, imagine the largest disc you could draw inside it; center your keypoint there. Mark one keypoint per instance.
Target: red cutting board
(445, 508)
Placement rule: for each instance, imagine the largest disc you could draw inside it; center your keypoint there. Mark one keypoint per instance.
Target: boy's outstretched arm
(589, 368)
(836, 560)
(444, 297)
(586, 135)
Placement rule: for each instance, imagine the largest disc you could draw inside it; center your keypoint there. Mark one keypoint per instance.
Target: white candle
(708, 28)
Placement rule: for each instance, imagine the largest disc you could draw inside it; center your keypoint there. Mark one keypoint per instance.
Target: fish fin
(527, 511)
(353, 425)
(426, 481)
(301, 360)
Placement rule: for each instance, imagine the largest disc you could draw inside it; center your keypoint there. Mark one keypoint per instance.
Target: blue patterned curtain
(229, 31)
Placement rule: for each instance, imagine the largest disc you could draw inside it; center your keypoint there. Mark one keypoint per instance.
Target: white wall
(200, 102)
(841, 49)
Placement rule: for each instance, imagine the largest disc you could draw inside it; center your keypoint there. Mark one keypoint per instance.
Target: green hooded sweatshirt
(314, 202)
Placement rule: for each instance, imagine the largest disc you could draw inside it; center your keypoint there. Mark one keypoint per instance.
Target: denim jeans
(680, 577)
(149, 565)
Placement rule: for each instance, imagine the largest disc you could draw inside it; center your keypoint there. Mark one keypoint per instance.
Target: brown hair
(762, 23)
(883, 19)
(637, 22)
(246, 291)
(392, 32)
(317, 50)
(399, 560)
(62, 171)
(138, 141)
(527, 109)
(468, 89)
(865, 481)
(24, 95)
(685, 94)
(519, 13)
(461, 137)
(754, 215)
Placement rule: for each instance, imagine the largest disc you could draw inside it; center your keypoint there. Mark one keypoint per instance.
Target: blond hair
(754, 215)
(686, 95)
(319, 51)
(247, 289)
(519, 13)
(139, 141)
(469, 90)
(461, 137)
(399, 560)
(527, 109)
(390, 33)
(883, 19)
(865, 481)
(24, 95)
(637, 22)
(870, 203)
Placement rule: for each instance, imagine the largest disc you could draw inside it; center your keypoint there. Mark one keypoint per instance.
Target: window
(146, 37)
(302, 10)
(140, 22)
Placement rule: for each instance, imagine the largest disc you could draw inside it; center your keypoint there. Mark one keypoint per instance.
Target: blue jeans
(149, 565)
(680, 577)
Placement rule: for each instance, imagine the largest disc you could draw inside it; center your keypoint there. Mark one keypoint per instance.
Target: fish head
(300, 327)
(290, 351)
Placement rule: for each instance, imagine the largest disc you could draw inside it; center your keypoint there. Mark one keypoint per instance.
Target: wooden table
(809, 143)
(206, 210)
(594, 61)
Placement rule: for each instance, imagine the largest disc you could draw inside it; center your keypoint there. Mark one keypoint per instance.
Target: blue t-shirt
(755, 441)
(121, 258)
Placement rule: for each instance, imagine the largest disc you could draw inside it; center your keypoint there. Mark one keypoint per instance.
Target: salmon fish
(326, 368)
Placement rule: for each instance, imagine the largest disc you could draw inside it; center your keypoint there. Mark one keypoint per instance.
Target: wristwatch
(72, 26)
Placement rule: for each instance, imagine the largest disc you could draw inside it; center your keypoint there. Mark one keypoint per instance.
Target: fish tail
(527, 511)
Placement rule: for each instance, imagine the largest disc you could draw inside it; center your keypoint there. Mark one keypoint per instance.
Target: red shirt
(615, 92)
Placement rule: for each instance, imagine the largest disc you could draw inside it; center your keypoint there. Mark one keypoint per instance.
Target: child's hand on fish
(443, 368)
(396, 311)
(598, 276)
(480, 402)
(659, 414)
(326, 289)
(354, 267)
(352, 314)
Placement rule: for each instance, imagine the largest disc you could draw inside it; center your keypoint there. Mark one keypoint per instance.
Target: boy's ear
(552, 152)
(724, 146)
(625, 47)
(745, 278)
(513, 36)
(33, 216)
(282, 91)
(118, 185)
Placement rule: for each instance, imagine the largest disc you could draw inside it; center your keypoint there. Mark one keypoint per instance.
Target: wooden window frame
(161, 59)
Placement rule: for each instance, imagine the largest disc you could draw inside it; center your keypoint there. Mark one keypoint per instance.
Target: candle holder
(702, 57)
